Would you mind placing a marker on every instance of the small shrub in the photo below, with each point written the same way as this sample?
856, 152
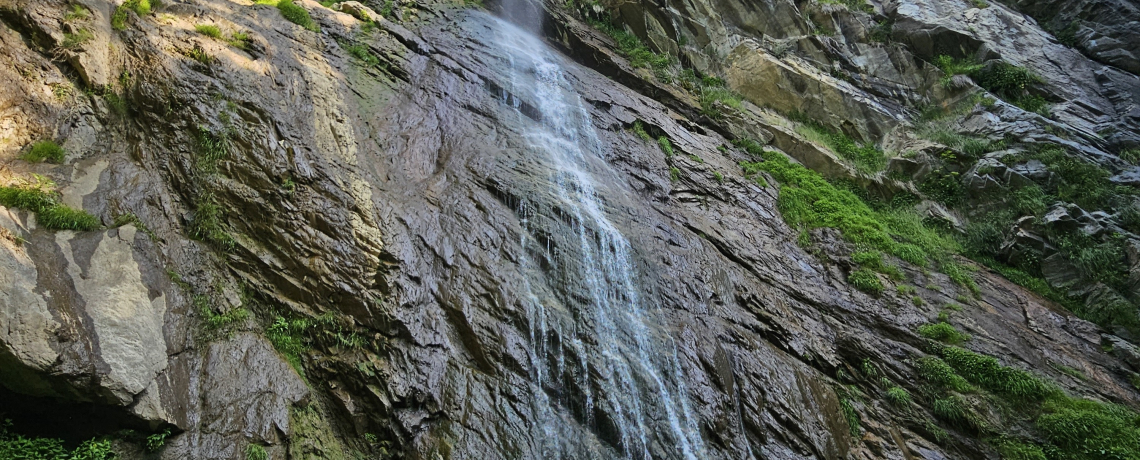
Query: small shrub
943, 332
209, 30
44, 151
866, 280
297, 15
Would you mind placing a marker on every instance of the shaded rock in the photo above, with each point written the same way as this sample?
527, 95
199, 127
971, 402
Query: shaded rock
358, 11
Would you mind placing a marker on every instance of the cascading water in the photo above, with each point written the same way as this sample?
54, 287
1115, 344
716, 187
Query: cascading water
628, 370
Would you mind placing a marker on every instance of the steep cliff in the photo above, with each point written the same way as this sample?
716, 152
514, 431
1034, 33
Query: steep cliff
425, 230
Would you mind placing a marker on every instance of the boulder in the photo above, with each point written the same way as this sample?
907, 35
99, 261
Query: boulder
358, 11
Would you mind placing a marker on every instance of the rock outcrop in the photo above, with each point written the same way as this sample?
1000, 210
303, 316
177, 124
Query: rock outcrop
344, 243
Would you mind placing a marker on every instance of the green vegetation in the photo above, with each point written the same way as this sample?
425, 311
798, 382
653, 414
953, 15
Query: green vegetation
666, 146
711, 93
943, 332
293, 337
18, 447
297, 15
854, 5
718, 176
44, 150
255, 452
866, 158
74, 41
119, 17
866, 280
155, 442
239, 40
1007, 81
50, 213
361, 52
209, 30
200, 55
132, 219
77, 13
898, 396
808, 201
1131, 156
639, 130
631, 47
674, 174
207, 224
1069, 428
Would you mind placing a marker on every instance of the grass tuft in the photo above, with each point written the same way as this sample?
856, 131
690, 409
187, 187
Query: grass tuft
44, 151
209, 30
297, 15
50, 213
943, 332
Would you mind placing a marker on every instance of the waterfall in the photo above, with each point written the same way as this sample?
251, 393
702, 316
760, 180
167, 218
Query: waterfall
609, 326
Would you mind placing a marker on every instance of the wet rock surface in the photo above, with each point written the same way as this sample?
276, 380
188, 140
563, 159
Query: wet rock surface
407, 200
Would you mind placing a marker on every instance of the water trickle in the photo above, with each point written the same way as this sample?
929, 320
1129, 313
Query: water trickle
626, 367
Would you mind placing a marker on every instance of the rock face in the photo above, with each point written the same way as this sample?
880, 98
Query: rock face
328, 254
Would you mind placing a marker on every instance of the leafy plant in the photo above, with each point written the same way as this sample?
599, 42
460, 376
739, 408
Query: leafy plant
156, 441
119, 17
639, 130
666, 146
18, 447
866, 280
74, 41
898, 397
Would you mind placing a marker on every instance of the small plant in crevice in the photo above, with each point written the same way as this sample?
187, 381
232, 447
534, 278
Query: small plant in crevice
898, 397
157, 441
674, 174
200, 55
132, 219
362, 53
639, 130
866, 158
666, 146
866, 280
208, 223
44, 151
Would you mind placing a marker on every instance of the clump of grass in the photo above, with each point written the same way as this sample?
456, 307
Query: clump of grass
639, 130
943, 332
119, 17
297, 15
1011, 449
674, 174
639, 55
898, 397
217, 324
874, 260
239, 40
866, 158
209, 30
666, 146
255, 452
75, 41
941, 375
50, 213
712, 93
361, 52
44, 151
807, 200
866, 280
208, 221
1009, 82
77, 13
200, 55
